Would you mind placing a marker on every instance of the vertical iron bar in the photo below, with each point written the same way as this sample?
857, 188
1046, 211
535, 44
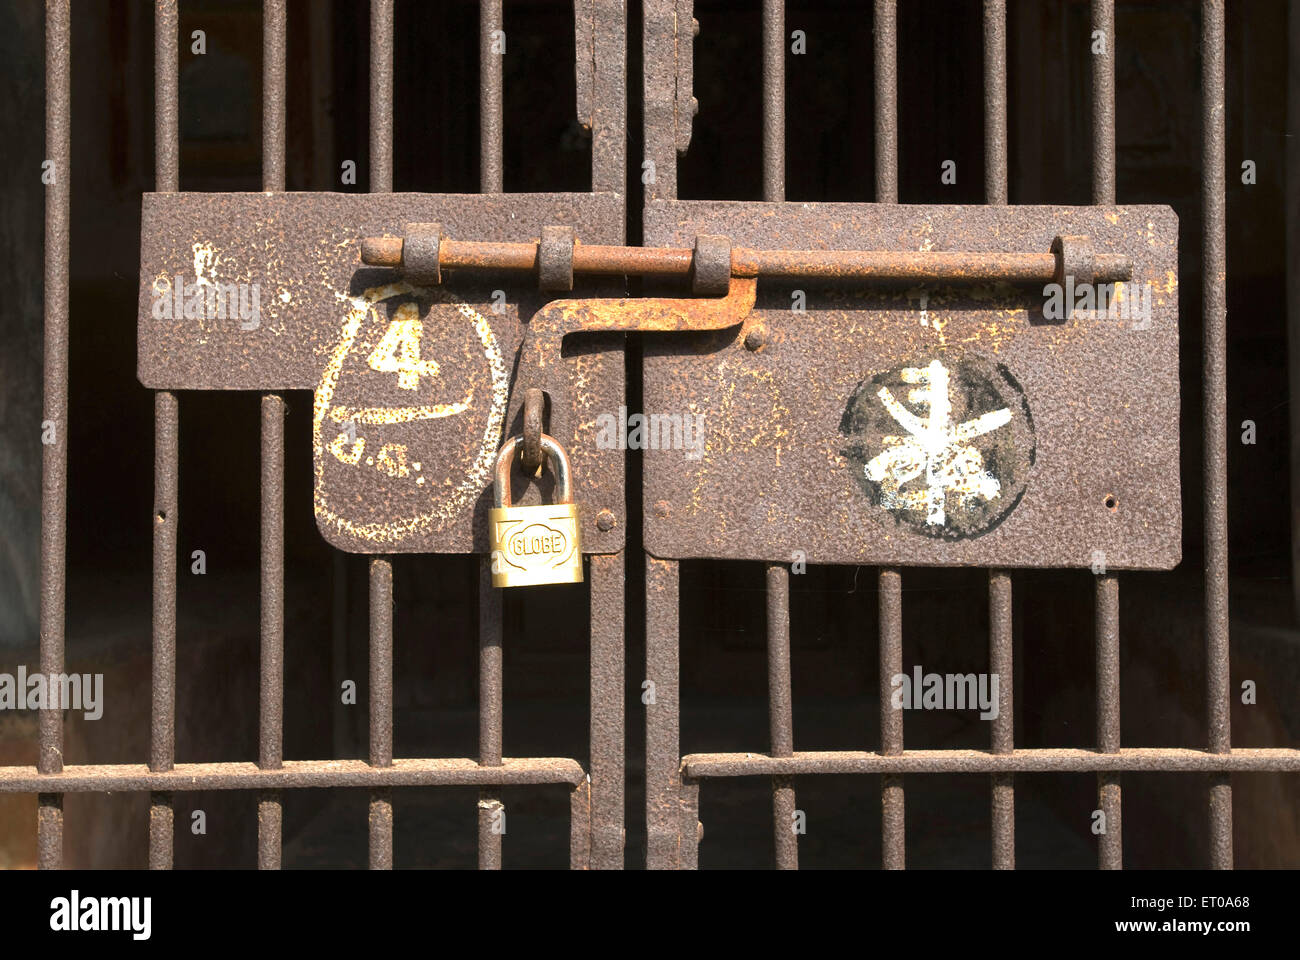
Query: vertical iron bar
1107, 626
1110, 854
269, 829
1001, 634
274, 27
271, 748
381, 709
884, 29
995, 101
1103, 104
609, 110
773, 100
781, 712
49, 831
1214, 265
271, 694
660, 137
380, 843
893, 842
166, 144
607, 678
166, 431
489, 714
490, 806
1001, 665
580, 826
1110, 850
1291, 217
162, 725
667, 829
54, 455
490, 137
381, 96
161, 830
339, 647
607, 612
893, 845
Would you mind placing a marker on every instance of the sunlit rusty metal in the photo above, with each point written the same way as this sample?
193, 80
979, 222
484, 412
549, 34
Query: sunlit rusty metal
541, 365
936, 266
778, 468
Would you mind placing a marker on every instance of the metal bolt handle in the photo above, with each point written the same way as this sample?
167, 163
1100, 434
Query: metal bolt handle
934, 266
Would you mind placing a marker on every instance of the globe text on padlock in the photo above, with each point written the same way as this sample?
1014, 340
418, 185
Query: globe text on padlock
535, 544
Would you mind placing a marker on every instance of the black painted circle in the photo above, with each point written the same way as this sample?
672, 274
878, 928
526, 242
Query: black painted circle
958, 477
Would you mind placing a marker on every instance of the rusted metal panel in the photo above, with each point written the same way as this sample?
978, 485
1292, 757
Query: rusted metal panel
1062, 448
414, 386
302, 251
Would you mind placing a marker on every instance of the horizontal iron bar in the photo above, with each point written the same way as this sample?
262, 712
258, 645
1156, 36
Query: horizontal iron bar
932, 265
1048, 760
87, 778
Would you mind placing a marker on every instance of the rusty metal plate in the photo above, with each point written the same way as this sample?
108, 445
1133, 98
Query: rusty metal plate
921, 424
414, 387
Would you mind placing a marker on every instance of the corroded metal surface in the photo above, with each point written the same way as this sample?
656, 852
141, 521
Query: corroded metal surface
290, 262
295, 774
671, 803
1214, 387
165, 518
302, 250
1077, 418
413, 385
608, 751
579, 408
422, 252
668, 56
1037, 760
54, 453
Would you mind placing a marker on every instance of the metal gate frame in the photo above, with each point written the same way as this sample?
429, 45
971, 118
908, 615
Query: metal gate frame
673, 781
596, 796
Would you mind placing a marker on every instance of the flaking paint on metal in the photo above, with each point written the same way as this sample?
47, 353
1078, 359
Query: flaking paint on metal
771, 479
307, 246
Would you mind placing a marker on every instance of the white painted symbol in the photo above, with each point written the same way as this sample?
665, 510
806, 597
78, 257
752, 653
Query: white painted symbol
400, 352
933, 446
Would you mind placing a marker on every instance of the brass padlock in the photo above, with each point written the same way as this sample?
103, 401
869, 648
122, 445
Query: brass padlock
536, 544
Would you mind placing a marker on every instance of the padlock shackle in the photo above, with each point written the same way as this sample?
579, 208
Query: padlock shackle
552, 451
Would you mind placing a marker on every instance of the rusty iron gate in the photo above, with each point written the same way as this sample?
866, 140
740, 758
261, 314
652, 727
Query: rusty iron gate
273, 363
746, 502
729, 348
